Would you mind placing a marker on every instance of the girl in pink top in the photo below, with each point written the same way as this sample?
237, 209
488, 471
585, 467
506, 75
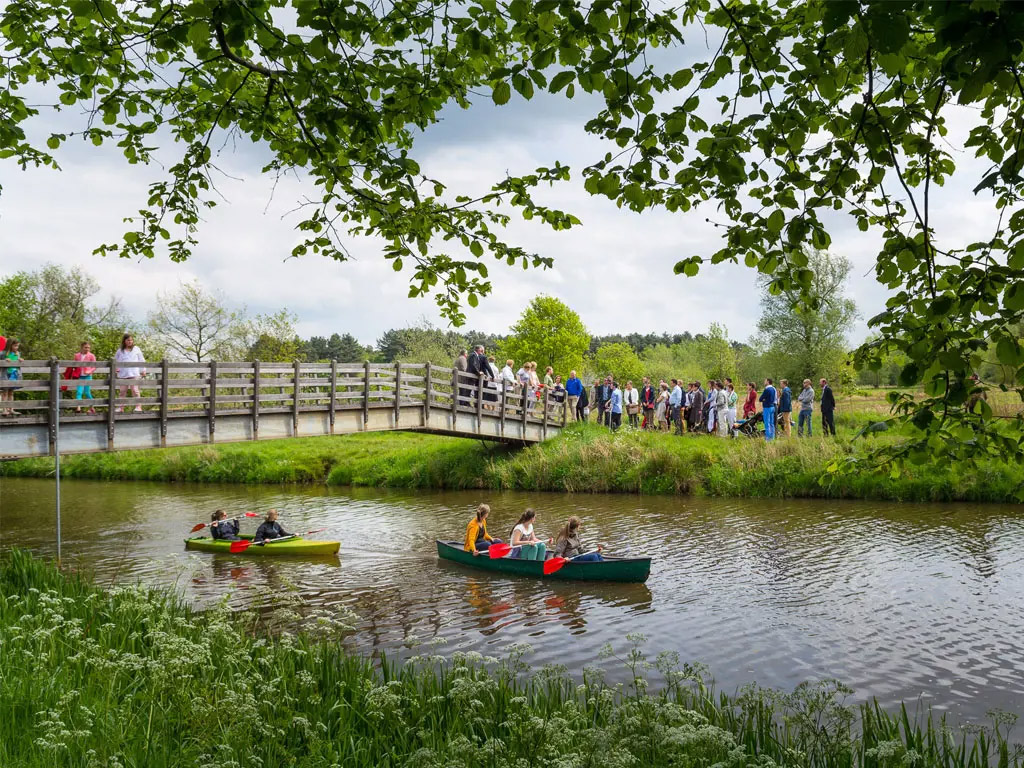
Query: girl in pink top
85, 372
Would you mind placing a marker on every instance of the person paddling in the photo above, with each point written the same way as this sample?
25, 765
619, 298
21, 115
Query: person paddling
270, 529
525, 544
477, 538
222, 528
569, 546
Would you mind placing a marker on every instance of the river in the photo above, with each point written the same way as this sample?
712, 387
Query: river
915, 602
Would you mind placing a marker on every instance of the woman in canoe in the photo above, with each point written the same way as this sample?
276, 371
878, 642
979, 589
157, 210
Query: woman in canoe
568, 544
525, 544
222, 528
477, 538
270, 529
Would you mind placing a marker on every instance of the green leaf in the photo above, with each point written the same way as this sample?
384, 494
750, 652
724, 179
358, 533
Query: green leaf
476, 248
776, 221
501, 93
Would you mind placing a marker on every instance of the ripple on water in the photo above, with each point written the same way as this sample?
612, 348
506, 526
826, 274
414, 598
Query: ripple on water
916, 602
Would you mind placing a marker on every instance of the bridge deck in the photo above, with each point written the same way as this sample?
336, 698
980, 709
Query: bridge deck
213, 402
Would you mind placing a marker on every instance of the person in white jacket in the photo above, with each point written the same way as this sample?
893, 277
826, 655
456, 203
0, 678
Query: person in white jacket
631, 401
129, 353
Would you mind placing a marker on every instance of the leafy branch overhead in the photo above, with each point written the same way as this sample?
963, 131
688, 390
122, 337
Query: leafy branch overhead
794, 115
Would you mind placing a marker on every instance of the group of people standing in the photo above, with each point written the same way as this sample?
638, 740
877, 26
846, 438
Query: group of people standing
691, 407
10, 351
777, 408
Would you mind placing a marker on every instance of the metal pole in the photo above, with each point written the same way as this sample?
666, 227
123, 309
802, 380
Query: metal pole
56, 455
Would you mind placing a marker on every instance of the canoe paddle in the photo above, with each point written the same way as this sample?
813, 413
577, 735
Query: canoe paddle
244, 544
498, 550
200, 526
556, 563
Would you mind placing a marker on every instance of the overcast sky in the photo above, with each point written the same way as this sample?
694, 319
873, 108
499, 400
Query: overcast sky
615, 270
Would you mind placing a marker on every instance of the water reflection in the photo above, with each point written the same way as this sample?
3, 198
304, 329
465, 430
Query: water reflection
900, 601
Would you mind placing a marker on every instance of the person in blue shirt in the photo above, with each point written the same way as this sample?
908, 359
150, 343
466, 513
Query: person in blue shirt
786, 408
573, 389
615, 406
768, 400
675, 404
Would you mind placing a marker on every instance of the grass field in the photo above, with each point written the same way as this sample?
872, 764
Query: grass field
584, 458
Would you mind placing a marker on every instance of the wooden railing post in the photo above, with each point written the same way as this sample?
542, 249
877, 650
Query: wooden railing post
504, 403
256, 400
165, 389
428, 390
544, 421
334, 392
295, 399
565, 407
526, 404
211, 414
112, 400
455, 395
366, 393
54, 395
479, 402
398, 391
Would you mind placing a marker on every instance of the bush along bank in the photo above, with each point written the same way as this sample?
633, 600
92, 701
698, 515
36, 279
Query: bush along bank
134, 677
584, 458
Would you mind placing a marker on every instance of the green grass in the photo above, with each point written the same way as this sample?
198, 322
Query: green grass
133, 677
585, 458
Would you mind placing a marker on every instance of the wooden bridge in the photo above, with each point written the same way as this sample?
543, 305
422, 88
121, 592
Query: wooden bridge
220, 402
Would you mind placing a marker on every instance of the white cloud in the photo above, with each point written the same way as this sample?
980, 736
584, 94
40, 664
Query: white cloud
615, 270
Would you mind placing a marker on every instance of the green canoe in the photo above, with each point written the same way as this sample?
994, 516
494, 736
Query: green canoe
294, 545
626, 569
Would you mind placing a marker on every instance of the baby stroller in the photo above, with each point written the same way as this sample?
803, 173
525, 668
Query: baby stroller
752, 427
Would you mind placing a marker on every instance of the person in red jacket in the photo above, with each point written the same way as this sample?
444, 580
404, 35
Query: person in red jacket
750, 405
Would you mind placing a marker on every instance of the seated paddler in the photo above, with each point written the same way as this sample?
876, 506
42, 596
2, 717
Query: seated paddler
477, 538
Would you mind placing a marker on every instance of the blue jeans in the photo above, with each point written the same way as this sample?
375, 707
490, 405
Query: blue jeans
483, 544
590, 557
84, 390
769, 422
805, 416
530, 551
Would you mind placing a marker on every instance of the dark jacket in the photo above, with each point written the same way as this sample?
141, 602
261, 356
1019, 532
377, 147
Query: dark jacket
786, 400
768, 397
584, 400
269, 531
225, 529
828, 400
647, 397
603, 393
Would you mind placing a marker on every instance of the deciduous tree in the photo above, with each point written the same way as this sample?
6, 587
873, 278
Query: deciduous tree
549, 333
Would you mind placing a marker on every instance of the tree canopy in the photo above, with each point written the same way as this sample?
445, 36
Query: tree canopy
805, 111
548, 333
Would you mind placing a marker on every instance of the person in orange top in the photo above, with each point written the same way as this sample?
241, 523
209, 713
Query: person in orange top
477, 538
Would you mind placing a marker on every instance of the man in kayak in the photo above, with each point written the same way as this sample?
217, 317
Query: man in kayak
477, 538
222, 528
269, 529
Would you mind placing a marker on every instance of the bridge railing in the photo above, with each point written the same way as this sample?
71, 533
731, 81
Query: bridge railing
169, 390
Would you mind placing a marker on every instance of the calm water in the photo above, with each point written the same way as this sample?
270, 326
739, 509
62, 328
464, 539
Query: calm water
913, 602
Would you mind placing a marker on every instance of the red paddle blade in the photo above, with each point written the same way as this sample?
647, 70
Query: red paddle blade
552, 565
318, 530
498, 550
239, 546
198, 527
251, 514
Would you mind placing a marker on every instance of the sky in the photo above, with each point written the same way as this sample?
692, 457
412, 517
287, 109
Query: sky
615, 270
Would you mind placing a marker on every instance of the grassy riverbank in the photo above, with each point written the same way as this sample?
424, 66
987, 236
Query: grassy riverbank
583, 459
133, 677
